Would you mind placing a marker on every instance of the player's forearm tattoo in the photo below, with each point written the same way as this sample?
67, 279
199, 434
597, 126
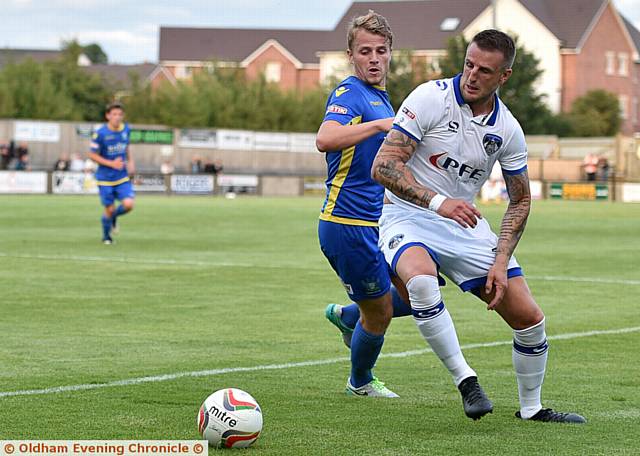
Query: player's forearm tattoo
515, 218
389, 169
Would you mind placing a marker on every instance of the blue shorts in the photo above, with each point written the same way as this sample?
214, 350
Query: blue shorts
110, 193
354, 254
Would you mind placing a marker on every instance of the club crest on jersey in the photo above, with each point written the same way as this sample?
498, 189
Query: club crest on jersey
491, 143
395, 241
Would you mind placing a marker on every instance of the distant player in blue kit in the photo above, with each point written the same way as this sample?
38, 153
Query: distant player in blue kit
110, 150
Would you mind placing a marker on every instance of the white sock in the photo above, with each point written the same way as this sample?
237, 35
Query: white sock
436, 326
530, 361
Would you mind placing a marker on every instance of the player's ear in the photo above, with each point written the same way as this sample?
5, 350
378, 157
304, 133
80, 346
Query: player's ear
350, 56
506, 74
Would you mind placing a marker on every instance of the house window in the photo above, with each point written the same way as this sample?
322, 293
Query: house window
623, 64
611, 62
435, 64
449, 24
272, 71
623, 100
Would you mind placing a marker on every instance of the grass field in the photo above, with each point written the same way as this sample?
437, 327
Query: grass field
198, 284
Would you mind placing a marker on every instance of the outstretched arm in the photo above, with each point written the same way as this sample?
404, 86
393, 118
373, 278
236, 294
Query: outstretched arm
389, 169
333, 135
513, 223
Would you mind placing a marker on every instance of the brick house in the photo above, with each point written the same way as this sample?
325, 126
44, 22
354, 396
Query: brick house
286, 57
581, 44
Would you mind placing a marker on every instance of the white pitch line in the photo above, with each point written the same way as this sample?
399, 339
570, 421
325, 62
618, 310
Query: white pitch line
585, 279
320, 362
170, 262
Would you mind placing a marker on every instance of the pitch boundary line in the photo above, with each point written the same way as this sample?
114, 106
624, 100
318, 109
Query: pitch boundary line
320, 362
170, 262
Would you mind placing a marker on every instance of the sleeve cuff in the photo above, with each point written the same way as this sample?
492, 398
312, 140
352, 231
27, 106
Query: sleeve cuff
514, 171
402, 130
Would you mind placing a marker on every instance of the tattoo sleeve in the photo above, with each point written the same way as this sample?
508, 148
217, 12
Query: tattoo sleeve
515, 218
390, 170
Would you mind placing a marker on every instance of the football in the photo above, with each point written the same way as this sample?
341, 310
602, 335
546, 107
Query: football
230, 418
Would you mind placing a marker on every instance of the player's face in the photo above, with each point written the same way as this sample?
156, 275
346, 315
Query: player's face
370, 57
482, 75
115, 117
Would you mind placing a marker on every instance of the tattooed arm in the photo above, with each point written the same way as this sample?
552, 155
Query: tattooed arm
389, 169
513, 223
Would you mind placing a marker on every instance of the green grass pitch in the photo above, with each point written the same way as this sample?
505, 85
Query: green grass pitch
209, 283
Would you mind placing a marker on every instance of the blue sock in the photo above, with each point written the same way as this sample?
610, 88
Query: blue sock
351, 313
106, 227
365, 348
119, 211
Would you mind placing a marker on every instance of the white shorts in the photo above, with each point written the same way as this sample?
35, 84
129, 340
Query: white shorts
465, 255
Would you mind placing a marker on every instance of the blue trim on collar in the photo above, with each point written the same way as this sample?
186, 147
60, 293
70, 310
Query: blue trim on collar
460, 100
456, 89
496, 107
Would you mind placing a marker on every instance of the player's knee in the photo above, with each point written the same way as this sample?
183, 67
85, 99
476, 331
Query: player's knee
424, 292
376, 314
529, 319
128, 205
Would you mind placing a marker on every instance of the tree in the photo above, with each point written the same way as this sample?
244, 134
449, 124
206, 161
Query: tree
596, 113
518, 93
95, 53
406, 72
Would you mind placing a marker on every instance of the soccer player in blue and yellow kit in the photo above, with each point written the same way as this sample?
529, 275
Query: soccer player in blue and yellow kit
358, 115
110, 150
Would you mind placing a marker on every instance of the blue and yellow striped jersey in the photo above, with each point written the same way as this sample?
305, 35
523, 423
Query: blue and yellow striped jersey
110, 145
353, 197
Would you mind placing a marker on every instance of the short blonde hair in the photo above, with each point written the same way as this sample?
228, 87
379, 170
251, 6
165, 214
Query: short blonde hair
371, 22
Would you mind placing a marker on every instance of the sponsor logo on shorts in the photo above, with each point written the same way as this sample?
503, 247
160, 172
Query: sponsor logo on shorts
337, 109
375, 103
395, 241
348, 287
409, 113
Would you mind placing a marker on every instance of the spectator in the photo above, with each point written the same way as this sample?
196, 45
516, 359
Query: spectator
23, 149
167, 167
23, 163
603, 168
77, 164
590, 165
5, 155
62, 164
214, 168
196, 165
90, 166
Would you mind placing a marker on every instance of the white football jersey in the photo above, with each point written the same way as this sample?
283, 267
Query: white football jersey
456, 151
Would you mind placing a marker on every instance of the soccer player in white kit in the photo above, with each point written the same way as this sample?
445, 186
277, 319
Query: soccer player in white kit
446, 138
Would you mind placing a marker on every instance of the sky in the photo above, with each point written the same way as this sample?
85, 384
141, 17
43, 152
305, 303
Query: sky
128, 30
